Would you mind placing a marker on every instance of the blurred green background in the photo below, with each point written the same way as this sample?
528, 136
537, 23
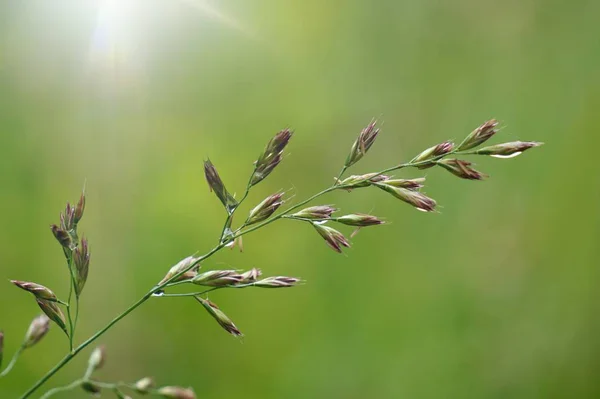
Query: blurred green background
493, 297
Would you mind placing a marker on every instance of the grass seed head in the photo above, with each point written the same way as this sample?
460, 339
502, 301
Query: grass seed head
37, 330
508, 150
265, 209
97, 358
62, 236
333, 238
38, 290
409, 184
81, 260
414, 198
216, 184
54, 313
277, 282
271, 157
319, 212
79, 208
359, 219
363, 143
218, 278
180, 267
461, 169
144, 385
172, 392
433, 152
220, 317
479, 135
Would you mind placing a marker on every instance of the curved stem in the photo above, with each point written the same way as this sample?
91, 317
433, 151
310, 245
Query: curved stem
13, 361
72, 385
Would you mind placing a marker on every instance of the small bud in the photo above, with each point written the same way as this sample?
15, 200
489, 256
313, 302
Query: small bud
277, 282
1, 346
479, 135
38, 290
91, 387
359, 219
78, 214
220, 317
216, 184
356, 181
461, 169
182, 266
62, 236
320, 212
433, 152
81, 260
250, 276
53, 312
414, 198
333, 238
365, 140
37, 330
218, 278
508, 150
97, 358
176, 393
409, 184
265, 209
144, 385
271, 157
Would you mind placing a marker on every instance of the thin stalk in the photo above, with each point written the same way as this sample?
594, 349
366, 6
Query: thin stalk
13, 361
69, 387
71, 287
338, 179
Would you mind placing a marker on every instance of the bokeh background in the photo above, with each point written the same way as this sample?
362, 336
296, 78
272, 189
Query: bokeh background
493, 297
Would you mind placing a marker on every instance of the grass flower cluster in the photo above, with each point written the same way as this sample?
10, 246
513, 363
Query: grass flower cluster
199, 279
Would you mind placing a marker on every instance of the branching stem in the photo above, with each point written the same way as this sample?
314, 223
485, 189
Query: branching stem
221, 245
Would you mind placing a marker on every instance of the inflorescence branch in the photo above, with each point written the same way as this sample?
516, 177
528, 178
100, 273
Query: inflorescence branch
187, 271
